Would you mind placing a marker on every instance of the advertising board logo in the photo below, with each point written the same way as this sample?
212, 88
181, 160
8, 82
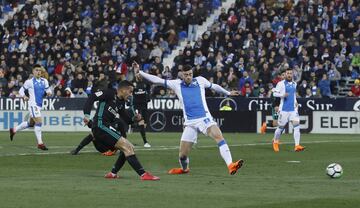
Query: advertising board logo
357, 106
229, 101
157, 121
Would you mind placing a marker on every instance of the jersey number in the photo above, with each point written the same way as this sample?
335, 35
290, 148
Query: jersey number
206, 120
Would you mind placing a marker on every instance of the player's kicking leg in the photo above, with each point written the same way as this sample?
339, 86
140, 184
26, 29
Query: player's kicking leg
128, 149
22, 126
215, 133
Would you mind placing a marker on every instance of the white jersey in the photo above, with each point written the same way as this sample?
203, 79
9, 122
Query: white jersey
192, 97
36, 89
288, 103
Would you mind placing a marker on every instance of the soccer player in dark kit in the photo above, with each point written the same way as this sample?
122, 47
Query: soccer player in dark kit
112, 106
140, 100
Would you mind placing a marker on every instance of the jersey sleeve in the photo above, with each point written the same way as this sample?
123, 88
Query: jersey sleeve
97, 96
25, 87
171, 83
279, 90
47, 87
205, 82
212, 86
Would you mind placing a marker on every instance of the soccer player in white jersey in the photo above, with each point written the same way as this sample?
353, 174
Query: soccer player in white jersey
36, 89
191, 93
286, 90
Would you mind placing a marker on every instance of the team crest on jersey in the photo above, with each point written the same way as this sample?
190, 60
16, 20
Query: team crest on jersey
195, 82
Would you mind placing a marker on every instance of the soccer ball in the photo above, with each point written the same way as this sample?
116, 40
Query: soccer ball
334, 170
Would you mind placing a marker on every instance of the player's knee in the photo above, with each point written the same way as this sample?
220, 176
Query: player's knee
127, 147
218, 136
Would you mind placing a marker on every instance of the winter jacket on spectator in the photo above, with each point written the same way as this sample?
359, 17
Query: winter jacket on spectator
245, 78
324, 86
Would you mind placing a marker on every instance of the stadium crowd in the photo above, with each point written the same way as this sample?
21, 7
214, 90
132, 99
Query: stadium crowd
92, 44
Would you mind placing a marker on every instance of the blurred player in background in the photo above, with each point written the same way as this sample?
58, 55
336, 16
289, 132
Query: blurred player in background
275, 102
112, 106
140, 101
286, 90
36, 88
191, 93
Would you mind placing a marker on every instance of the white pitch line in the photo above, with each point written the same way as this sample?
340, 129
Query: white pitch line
164, 148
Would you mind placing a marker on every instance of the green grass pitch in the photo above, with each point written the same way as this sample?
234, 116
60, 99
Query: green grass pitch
29, 178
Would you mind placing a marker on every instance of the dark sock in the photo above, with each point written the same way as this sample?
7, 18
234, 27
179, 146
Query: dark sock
135, 164
183, 162
143, 134
269, 124
119, 163
84, 142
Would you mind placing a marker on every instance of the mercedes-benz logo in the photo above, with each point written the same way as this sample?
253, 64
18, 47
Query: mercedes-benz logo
157, 121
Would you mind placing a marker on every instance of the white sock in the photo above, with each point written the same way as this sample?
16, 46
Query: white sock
277, 134
297, 134
37, 130
225, 152
22, 126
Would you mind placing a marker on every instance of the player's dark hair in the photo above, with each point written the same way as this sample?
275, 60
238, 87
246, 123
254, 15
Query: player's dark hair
186, 68
37, 66
289, 69
125, 83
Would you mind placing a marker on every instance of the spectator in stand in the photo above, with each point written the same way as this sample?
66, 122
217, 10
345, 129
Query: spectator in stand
355, 89
324, 86
245, 78
259, 37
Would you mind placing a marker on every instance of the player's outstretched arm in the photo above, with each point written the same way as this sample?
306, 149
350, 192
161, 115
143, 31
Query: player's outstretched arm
152, 78
220, 89
217, 87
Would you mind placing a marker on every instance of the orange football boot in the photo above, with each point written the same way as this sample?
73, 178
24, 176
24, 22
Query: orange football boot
175, 171
299, 148
235, 166
263, 128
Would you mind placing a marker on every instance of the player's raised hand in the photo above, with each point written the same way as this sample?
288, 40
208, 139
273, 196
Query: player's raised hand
234, 93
